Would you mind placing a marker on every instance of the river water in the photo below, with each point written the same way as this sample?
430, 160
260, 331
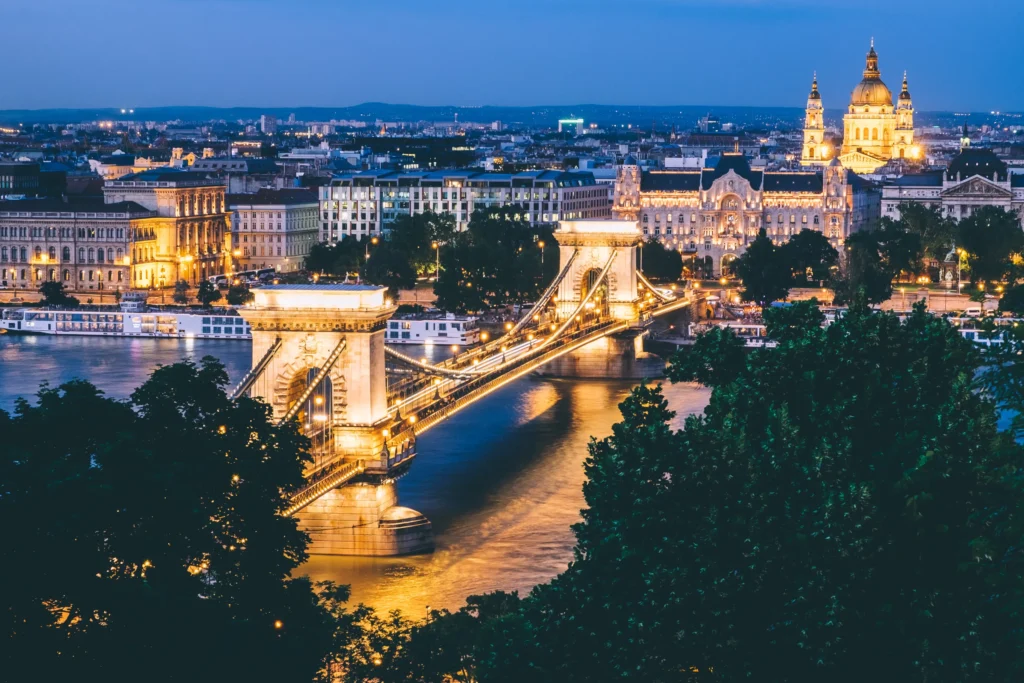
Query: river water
501, 481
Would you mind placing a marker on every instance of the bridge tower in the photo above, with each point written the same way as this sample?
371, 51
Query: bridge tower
318, 358
602, 255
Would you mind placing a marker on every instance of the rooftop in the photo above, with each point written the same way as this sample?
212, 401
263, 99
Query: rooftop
74, 205
267, 197
168, 176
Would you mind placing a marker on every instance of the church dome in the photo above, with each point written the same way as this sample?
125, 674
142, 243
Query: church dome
871, 91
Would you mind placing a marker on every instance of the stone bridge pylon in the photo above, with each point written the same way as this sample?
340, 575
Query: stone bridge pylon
601, 257
318, 358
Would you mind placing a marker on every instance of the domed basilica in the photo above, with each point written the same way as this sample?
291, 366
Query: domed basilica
875, 130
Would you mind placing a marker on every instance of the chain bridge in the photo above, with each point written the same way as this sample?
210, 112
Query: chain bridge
319, 357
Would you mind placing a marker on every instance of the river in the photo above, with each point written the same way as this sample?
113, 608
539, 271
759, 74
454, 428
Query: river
501, 481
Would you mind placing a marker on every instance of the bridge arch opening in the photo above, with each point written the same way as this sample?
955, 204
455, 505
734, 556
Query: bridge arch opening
598, 305
316, 413
729, 265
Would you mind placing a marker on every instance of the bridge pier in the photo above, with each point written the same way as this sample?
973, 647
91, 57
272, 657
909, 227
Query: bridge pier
321, 350
617, 356
364, 519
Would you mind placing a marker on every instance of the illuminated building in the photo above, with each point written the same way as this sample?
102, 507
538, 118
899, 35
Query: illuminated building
273, 229
817, 151
874, 130
187, 238
973, 179
712, 215
363, 204
82, 243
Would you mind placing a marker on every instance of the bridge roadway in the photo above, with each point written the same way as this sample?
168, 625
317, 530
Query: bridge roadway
492, 366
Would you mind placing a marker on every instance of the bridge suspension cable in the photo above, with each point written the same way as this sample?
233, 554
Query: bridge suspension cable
583, 302
257, 370
326, 368
545, 297
426, 367
647, 283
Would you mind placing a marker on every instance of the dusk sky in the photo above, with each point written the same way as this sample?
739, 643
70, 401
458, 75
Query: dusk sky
136, 53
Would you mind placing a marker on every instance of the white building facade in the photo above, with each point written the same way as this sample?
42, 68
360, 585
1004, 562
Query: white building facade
363, 204
273, 229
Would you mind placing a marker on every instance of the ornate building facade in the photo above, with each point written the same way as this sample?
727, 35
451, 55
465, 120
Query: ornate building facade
188, 239
874, 129
712, 215
80, 242
973, 179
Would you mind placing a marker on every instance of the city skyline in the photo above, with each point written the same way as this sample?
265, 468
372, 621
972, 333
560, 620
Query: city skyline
662, 53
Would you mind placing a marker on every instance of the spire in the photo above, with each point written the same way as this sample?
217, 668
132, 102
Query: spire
965, 138
905, 93
871, 69
815, 95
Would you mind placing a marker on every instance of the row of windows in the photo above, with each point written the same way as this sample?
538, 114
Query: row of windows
51, 274
12, 232
93, 255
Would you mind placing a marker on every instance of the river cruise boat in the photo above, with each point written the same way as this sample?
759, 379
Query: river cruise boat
433, 328
753, 333
162, 324
132, 319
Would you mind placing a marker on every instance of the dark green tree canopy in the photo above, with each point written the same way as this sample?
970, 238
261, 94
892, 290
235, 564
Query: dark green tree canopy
55, 294
764, 271
148, 537
844, 509
991, 236
811, 258
938, 233
239, 295
180, 292
208, 293
659, 262
873, 259
497, 261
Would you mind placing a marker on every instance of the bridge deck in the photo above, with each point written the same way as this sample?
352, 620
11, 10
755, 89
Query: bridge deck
452, 394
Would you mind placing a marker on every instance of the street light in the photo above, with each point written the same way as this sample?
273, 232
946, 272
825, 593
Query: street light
541, 245
437, 259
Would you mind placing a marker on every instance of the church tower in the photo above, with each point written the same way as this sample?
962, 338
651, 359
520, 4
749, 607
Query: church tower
903, 139
816, 152
626, 206
869, 126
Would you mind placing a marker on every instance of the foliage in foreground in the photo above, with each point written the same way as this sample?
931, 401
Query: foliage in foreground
845, 509
146, 536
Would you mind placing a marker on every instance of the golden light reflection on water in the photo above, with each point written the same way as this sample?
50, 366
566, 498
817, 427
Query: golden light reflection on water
502, 483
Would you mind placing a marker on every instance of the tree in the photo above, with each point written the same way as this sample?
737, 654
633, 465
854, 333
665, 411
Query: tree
180, 292
660, 263
823, 519
339, 259
388, 266
873, 259
810, 257
936, 231
764, 271
1013, 301
497, 261
207, 293
239, 295
55, 294
991, 236
414, 236
152, 528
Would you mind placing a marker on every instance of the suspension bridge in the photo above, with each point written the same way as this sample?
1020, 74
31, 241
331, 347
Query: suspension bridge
319, 357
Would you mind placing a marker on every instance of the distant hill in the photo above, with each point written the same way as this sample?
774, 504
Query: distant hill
683, 117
